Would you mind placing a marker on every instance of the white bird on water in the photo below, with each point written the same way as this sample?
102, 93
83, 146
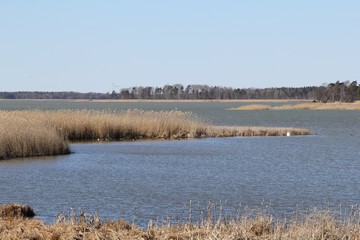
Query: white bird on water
288, 134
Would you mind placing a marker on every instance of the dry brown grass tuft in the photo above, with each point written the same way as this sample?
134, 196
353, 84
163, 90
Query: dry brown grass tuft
302, 106
13, 210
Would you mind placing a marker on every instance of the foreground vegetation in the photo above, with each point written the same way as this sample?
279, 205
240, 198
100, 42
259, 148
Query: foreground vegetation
16, 222
302, 106
44, 133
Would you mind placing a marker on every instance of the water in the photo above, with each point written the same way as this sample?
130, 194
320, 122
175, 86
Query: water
145, 180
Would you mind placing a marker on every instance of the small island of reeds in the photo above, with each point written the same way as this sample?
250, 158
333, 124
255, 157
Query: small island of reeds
43, 133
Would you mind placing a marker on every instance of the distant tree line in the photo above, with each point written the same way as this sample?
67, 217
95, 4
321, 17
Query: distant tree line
54, 95
340, 91
202, 92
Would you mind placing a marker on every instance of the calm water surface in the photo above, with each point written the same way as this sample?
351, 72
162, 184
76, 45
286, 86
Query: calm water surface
145, 180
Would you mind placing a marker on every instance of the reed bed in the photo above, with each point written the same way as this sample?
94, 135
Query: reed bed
44, 133
111, 125
302, 106
311, 225
23, 137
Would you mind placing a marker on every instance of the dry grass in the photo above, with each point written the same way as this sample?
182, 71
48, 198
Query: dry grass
313, 225
302, 106
44, 133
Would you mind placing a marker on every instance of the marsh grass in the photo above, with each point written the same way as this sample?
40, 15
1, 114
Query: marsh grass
313, 224
45, 133
301, 106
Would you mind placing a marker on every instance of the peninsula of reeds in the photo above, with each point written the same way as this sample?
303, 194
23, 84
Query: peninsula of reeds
17, 222
43, 133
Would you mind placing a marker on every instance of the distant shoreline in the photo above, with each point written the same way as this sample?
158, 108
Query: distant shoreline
190, 100
162, 100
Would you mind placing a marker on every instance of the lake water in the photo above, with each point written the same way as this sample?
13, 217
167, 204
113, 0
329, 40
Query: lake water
145, 180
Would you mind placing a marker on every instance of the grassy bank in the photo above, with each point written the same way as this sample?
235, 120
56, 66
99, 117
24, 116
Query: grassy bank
302, 106
309, 225
43, 133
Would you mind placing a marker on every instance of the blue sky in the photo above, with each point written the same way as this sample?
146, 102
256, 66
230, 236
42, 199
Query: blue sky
87, 46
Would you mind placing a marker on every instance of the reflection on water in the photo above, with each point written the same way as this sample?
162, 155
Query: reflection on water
147, 180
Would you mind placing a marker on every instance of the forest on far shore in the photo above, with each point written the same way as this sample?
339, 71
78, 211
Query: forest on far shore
339, 91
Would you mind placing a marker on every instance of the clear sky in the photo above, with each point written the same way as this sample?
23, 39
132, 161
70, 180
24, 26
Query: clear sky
87, 45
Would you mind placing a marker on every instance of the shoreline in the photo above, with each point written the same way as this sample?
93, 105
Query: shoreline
163, 100
190, 100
